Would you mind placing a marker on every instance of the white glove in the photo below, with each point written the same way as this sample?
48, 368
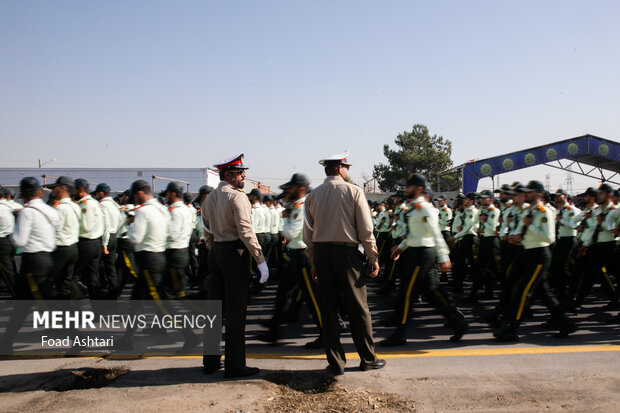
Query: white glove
264, 272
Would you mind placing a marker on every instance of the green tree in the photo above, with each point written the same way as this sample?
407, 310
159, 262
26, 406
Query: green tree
417, 151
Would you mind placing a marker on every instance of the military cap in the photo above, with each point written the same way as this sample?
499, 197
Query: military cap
232, 163
471, 195
589, 192
341, 158
205, 190
28, 184
534, 185
503, 188
487, 193
296, 180
256, 192
605, 188
416, 180
139, 185
174, 187
81, 183
103, 187
560, 191
63, 181
8, 192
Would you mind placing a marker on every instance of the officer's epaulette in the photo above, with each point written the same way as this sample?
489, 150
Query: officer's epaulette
595, 207
138, 207
491, 208
613, 207
172, 208
526, 206
298, 205
541, 208
445, 208
390, 211
418, 205
240, 190
84, 201
569, 207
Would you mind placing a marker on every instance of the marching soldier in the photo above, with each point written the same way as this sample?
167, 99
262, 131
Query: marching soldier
9, 195
179, 234
565, 244
466, 237
65, 255
445, 217
419, 252
203, 251
7, 251
382, 227
90, 245
113, 220
297, 277
226, 215
192, 268
602, 244
126, 256
149, 235
487, 268
337, 220
535, 232
35, 235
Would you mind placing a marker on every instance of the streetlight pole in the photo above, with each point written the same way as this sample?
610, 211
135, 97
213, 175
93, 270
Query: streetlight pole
45, 163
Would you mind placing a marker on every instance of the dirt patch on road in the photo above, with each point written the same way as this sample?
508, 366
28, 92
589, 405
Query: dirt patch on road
87, 378
307, 392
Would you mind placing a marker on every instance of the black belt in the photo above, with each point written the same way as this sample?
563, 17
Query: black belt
341, 244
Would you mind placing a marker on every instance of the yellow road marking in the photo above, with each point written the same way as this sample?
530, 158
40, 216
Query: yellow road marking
354, 356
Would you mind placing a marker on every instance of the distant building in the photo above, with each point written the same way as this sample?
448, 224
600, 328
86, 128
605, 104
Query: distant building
121, 179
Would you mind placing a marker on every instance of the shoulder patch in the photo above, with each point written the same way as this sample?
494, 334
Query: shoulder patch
544, 219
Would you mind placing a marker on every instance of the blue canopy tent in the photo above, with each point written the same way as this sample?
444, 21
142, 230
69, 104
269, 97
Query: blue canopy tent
585, 155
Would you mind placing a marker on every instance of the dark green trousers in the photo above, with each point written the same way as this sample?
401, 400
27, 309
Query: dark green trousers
229, 281
338, 268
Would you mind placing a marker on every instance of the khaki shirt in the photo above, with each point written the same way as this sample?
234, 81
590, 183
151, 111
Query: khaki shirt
337, 211
226, 216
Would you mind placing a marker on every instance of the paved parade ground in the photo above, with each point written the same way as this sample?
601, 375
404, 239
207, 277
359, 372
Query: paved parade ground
539, 373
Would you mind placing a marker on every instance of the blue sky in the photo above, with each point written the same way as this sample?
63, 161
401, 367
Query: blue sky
188, 83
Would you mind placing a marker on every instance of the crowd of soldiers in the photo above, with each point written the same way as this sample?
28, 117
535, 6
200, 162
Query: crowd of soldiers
525, 243
79, 244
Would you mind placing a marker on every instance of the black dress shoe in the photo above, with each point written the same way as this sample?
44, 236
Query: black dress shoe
267, 337
459, 330
507, 335
375, 365
244, 372
210, 369
566, 330
394, 340
334, 370
315, 344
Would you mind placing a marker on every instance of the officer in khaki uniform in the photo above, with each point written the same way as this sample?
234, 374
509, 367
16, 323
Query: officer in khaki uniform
226, 215
536, 232
337, 220
419, 251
